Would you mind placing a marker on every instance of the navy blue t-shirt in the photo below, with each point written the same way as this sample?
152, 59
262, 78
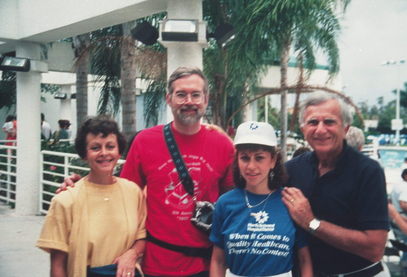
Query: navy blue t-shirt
353, 196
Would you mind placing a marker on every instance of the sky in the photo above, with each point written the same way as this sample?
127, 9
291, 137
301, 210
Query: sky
373, 31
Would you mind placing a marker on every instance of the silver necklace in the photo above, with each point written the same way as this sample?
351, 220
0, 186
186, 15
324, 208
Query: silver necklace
258, 204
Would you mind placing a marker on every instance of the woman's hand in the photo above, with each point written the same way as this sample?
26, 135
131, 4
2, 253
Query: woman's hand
127, 262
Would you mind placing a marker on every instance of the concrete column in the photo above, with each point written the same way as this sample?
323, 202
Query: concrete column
184, 53
28, 133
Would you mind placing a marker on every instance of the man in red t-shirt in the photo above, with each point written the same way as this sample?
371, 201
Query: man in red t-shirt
207, 154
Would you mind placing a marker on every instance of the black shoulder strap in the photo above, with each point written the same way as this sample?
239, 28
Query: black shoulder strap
186, 180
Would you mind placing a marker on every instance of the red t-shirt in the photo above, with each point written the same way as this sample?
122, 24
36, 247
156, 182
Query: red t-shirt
208, 156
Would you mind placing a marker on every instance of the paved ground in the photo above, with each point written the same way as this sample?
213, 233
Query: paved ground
18, 254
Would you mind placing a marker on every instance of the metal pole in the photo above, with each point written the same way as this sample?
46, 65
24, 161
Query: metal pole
266, 109
398, 115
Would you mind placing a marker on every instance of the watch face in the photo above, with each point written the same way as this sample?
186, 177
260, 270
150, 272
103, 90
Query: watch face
314, 224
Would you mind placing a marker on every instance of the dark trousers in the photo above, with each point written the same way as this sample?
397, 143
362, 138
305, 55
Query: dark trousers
200, 274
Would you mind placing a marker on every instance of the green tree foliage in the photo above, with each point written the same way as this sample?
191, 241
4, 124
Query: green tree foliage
403, 96
266, 32
153, 99
384, 113
104, 51
7, 89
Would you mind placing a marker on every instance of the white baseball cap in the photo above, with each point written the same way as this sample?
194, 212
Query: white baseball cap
252, 132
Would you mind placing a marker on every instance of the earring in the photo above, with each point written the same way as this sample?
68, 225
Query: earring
271, 176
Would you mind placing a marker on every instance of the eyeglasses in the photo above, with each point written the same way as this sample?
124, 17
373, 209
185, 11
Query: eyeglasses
325, 121
195, 97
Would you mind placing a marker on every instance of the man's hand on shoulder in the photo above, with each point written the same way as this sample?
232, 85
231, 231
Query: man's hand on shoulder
69, 182
213, 127
298, 206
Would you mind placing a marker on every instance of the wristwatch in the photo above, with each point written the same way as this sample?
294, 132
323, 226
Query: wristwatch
314, 225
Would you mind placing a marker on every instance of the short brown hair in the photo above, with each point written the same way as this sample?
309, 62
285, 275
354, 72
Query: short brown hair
101, 124
181, 72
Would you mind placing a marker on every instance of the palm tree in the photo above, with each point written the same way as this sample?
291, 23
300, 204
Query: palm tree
80, 44
128, 81
233, 68
301, 26
116, 59
104, 51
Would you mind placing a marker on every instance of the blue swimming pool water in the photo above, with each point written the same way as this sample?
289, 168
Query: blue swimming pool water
392, 157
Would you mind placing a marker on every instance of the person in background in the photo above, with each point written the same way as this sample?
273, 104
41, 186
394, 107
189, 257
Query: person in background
404, 166
252, 231
337, 194
355, 138
398, 194
46, 130
62, 133
397, 211
399, 219
10, 128
301, 150
95, 223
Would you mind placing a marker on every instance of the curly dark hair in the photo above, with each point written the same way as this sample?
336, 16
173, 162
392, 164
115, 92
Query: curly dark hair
280, 176
101, 124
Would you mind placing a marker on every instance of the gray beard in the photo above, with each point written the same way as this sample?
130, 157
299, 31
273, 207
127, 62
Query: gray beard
189, 119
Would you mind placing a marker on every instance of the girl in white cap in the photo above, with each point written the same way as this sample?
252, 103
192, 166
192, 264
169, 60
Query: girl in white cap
252, 231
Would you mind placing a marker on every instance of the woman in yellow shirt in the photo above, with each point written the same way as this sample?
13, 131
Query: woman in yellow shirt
101, 221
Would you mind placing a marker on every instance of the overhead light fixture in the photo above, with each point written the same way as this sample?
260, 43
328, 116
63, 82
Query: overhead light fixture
179, 30
60, 95
8, 63
145, 33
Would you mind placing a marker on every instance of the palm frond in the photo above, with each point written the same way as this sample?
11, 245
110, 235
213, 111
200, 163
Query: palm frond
153, 100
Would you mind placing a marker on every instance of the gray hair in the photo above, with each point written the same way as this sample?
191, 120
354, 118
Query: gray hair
320, 97
355, 138
181, 72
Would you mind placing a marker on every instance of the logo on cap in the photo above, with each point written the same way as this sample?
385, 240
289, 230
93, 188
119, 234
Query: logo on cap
253, 126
